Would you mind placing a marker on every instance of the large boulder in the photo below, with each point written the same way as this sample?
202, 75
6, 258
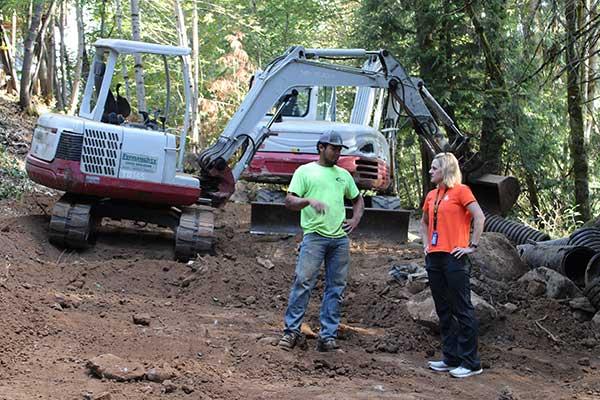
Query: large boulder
422, 310
112, 367
497, 258
557, 285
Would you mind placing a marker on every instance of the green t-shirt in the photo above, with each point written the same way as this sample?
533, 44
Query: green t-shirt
329, 185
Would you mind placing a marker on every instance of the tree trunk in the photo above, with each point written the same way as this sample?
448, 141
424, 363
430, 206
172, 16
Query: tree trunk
183, 41
196, 83
32, 34
426, 61
6, 55
119, 17
79, 65
139, 68
40, 45
64, 60
576, 136
51, 60
43, 73
494, 124
102, 18
592, 67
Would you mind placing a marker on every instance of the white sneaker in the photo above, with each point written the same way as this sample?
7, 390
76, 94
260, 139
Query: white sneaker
462, 372
439, 366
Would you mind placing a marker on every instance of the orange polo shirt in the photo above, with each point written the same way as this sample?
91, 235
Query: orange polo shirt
453, 218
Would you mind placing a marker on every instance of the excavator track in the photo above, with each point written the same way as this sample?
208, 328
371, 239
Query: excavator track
72, 224
195, 233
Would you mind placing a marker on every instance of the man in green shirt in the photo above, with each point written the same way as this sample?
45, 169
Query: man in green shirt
318, 189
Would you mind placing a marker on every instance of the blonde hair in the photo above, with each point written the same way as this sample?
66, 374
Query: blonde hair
451, 174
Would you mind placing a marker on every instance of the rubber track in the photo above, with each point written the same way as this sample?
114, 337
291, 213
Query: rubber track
195, 233
70, 225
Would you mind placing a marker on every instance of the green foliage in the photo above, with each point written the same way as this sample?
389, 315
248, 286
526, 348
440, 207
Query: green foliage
13, 180
556, 219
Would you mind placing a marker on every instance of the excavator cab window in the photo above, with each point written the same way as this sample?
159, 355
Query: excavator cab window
297, 106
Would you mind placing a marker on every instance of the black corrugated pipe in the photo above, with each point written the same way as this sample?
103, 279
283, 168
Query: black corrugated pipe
570, 261
556, 242
514, 231
592, 271
589, 237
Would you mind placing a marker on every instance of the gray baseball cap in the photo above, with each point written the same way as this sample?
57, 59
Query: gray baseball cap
332, 138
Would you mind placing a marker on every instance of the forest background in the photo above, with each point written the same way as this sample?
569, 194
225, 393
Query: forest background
519, 76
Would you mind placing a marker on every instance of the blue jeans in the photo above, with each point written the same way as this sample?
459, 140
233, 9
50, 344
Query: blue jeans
314, 250
451, 291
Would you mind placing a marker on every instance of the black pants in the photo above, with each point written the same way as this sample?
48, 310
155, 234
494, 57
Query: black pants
451, 290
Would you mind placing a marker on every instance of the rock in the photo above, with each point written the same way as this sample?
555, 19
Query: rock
510, 308
185, 282
589, 343
241, 193
168, 386
596, 322
557, 286
67, 301
415, 287
77, 284
583, 304
250, 300
582, 316
112, 367
142, 319
26, 286
584, 361
56, 306
161, 373
422, 310
101, 396
497, 258
536, 288
187, 389
265, 263
268, 341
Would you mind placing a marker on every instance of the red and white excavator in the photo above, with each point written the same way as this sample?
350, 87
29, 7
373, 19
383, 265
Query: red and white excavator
110, 167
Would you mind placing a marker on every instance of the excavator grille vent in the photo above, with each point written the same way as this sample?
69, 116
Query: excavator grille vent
100, 153
69, 146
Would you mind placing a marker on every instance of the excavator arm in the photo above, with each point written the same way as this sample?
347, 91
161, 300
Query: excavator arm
305, 67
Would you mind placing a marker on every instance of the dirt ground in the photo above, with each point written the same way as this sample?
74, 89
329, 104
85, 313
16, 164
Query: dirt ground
214, 322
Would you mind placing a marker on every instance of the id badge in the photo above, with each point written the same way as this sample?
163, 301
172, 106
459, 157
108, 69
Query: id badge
434, 238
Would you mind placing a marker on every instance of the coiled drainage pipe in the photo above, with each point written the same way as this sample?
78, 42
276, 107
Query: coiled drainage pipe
589, 237
592, 271
514, 231
570, 261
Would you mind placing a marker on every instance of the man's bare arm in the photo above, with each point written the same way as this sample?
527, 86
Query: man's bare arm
297, 203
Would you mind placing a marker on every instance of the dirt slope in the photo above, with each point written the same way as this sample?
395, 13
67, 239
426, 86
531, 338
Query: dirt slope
213, 321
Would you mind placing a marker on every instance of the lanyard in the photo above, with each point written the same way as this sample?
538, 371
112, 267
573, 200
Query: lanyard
436, 205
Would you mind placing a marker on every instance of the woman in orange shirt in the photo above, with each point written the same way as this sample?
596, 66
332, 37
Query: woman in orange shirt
446, 231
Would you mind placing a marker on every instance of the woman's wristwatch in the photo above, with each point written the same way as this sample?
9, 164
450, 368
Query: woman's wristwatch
473, 245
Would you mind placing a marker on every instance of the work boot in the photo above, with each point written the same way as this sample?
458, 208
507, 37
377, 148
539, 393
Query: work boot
288, 341
327, 345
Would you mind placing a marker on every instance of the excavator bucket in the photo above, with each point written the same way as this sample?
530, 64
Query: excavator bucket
495, 193
376, 223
